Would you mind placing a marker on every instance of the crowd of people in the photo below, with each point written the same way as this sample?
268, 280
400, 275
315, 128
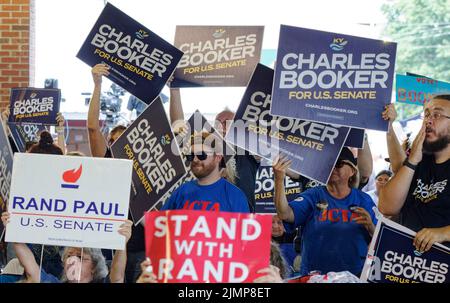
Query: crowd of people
325, 228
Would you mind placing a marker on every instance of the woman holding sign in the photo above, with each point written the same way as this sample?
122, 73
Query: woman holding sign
81, 265
337, 220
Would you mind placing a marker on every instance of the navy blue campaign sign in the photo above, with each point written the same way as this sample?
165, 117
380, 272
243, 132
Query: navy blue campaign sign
25, 132
333, 78
392, 258
264, 189
34, 105
355, 138
141, 62
217, 55
312, 147
157, 163
6, 163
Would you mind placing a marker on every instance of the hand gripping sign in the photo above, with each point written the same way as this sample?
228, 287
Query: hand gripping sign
392, 258
202, 246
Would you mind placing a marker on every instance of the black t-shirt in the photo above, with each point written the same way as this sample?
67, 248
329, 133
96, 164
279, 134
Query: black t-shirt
246, 168
136, 242
428, 202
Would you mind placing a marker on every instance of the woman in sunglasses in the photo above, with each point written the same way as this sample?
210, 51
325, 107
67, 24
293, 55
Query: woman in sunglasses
337, 220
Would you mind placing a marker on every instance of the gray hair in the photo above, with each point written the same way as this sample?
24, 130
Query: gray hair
98, 260
277, 259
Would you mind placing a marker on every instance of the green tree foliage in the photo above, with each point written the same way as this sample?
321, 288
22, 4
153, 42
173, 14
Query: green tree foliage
421, 29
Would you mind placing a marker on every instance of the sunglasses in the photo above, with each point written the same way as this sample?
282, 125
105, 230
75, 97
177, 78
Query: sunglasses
190, 157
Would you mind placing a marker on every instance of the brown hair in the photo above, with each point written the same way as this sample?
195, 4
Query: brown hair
45, 145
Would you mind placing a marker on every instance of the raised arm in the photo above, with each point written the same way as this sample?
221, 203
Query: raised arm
119, 261
60, 131
25, 256
365, 161
396, 153
97, 142
5, 117
284, 211
175, 106
394, 193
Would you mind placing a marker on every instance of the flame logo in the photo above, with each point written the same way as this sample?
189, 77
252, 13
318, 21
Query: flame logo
72, 176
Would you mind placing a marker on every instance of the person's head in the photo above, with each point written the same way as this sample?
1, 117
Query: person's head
382, 178
345, 170
437, 121
277, 226
90, 260
115, 133
45, 145
221, 121
206, 155
75, 153
29, 144
276, 259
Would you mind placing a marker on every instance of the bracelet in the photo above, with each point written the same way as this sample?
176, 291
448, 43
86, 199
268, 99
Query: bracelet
409, 164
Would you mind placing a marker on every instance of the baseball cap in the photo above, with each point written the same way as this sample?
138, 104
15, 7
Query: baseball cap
347, 156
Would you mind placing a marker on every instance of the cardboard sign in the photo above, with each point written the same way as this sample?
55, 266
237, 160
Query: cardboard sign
333, 78
392, 258
201, 246
34, 105
418, 90
141, 62
217, 55
265, 193
6, 163
23, 133
157, 163
312, 147
355, 138
68, 201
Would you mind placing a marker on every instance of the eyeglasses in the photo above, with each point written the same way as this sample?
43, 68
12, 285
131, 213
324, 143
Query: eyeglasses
201, 157
433, 116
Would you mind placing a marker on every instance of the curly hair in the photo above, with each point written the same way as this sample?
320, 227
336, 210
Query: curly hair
98, 261
277, 259
45, 145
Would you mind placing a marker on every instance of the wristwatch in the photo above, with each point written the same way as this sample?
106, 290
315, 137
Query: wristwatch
409, 164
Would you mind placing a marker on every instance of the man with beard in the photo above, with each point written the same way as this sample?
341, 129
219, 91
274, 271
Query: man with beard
420, 190
210, 191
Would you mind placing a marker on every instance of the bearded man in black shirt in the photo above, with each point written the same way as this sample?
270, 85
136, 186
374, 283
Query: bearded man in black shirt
420, 191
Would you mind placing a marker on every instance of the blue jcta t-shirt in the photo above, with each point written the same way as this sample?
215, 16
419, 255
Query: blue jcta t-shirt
219, 196
332, 241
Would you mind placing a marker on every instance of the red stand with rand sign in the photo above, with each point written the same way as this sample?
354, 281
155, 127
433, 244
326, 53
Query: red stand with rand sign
201, 246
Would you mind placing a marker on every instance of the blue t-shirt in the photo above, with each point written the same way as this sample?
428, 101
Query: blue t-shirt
219, 196
331, 240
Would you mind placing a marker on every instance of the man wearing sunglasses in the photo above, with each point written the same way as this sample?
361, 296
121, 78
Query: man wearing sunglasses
210, 191
246, 165
420, 190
